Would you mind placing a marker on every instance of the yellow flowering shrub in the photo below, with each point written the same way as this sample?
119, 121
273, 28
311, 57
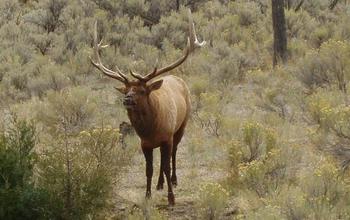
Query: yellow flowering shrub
321, 104
257, 140
256, 161
324, 190
212, 200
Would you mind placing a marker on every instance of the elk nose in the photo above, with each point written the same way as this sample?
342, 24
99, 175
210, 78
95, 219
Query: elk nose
128, 100
128, 97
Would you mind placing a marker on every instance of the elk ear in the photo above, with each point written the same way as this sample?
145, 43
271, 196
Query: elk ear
155, 85
121, 89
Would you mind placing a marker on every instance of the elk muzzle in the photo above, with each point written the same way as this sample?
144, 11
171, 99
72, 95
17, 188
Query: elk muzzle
128, 101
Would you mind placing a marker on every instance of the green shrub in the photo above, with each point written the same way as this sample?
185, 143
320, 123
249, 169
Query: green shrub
19, 81
82, 170
320, 35
207, 116
326, 67
248, 12
67, 111
299, 24
20, 198
82, 163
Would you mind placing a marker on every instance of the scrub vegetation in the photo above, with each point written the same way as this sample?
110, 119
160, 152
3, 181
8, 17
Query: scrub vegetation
263, 141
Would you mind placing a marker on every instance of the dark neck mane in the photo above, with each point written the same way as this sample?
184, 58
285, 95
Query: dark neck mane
143, 118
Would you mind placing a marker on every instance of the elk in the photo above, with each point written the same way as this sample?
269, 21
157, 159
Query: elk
157, 109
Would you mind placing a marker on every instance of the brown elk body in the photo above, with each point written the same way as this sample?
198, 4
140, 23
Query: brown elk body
158, 110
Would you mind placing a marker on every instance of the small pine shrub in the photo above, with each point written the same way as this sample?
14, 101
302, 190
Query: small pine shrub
20, 198
81, 170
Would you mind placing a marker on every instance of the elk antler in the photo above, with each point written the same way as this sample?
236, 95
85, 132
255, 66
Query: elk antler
192, 42
115, 75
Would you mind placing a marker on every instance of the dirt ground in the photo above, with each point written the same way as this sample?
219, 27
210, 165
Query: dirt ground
194, 167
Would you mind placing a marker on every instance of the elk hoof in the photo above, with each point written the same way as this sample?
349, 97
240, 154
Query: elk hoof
171, 199
148, 195
159, 186
174, 181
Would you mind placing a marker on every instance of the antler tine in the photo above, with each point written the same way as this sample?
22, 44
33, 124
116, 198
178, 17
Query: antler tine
137, 76
97, 46
169, 67
144, 78
122, 74
192, 42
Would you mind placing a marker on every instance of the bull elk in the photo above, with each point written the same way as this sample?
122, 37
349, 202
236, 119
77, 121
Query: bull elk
157, 109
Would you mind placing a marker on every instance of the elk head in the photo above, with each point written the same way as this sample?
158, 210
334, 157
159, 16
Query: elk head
137, 91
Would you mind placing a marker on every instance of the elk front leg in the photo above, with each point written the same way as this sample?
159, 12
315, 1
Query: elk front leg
166, 150
149, 169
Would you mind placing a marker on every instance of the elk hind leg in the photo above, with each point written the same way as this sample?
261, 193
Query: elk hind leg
161, 174
176, 140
